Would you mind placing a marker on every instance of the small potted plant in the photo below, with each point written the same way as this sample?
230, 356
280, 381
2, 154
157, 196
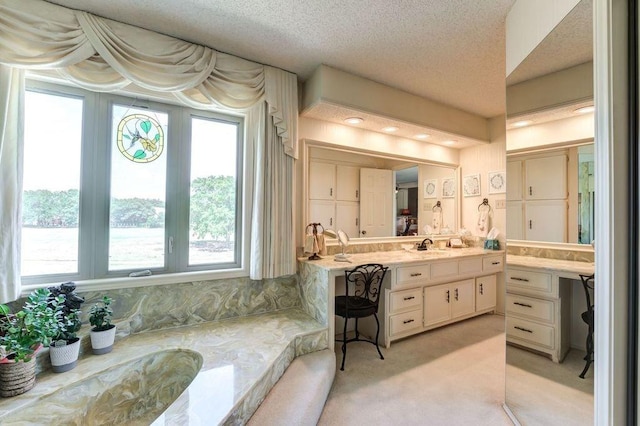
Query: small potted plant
65, 347
22, 335
103, 333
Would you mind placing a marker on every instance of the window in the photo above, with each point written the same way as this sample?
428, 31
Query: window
114, 185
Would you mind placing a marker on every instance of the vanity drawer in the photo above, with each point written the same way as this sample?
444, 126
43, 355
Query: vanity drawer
470, 266
529, 307
520, 330
401, 323
405, 300
522, 280
493, 263
444, 269
412, 274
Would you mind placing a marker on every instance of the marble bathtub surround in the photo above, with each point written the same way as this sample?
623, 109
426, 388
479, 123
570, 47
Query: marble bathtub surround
242, 358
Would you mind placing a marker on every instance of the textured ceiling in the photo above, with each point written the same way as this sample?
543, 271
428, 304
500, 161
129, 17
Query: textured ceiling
451, 51
569, 44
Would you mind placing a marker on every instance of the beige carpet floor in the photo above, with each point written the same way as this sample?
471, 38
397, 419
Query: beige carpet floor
455, 375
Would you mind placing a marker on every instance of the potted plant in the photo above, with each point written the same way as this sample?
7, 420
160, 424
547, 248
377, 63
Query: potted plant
65, 347
22, 335
103, 332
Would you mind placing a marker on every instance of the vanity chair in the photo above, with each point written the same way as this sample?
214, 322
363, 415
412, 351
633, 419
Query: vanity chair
363, 285
588, 318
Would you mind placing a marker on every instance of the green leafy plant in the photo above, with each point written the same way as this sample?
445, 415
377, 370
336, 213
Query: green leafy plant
69, 320
36, 324
100, 315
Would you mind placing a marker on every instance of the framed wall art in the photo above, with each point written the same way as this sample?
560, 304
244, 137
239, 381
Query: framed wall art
448, 188
497, 182
430, 188
471, 185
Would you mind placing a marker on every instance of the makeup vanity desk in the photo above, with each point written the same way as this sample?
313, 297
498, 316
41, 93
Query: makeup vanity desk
538, 302
422, 289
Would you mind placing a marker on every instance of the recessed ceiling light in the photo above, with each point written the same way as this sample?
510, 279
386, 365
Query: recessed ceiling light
585, 110
421, 136
450, 142
390, 129
354, 120
522, 123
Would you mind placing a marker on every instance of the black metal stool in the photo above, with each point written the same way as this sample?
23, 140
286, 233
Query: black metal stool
363, 285
588, 318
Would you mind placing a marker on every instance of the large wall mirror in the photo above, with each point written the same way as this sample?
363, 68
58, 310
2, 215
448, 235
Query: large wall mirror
550, 198
373, 195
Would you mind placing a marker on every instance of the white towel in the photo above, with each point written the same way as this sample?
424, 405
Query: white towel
436, 222
482, 226
320, 245
310, 244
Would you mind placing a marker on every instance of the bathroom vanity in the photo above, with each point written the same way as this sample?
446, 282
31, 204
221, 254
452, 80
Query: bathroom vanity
422, 290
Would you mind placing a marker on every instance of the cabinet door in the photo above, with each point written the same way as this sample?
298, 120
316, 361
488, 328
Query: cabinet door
348, 183
514, 180
546, 221
485, 292
437, 303
322, 181
322, 212
546, 178
347, 218
515, 220
463, 298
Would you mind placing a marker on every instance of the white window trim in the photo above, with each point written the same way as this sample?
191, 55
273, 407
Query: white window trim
47, 84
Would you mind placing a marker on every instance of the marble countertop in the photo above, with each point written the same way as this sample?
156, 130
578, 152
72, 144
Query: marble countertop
570, 266
397, 257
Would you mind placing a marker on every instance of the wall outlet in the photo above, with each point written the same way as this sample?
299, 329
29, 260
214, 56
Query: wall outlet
427, 206
501, 204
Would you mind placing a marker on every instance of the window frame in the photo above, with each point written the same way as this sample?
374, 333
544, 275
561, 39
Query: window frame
95, 191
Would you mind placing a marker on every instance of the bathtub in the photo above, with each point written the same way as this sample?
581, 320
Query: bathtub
133, 393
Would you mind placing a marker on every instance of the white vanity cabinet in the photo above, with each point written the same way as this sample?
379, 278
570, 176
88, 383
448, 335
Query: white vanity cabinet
445, 302
534, 305
430, 294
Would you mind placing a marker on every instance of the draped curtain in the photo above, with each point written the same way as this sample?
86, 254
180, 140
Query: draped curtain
104, 55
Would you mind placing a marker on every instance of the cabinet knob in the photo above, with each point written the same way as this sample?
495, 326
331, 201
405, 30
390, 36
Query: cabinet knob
408, 321
448, 296
331, 192
357, 193
523, 329
364, 232
530, 190
456, 296
481, 289
523, 304
409, 298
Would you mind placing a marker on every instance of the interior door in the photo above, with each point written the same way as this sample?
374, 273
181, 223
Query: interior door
376, 203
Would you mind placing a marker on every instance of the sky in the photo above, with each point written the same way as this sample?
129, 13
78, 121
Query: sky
53, 131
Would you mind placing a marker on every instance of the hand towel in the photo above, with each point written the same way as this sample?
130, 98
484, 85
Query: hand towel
310, 244
482, 225
436, 222
320, 245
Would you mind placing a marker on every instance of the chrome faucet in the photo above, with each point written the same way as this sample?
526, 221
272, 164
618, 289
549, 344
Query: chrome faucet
423, 245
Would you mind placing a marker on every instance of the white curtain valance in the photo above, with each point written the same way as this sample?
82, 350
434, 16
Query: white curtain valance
104, 55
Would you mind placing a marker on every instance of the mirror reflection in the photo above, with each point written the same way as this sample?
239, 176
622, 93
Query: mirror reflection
369, 196
550, 199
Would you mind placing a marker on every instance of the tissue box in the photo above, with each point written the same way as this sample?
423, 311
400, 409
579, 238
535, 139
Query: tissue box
492, 245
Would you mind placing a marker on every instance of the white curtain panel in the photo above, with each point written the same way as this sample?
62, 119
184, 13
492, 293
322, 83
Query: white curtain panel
11, 128
272, 220
104, 55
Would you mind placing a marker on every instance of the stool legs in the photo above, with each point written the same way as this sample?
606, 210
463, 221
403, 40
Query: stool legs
344, 343
589, 357
357, 338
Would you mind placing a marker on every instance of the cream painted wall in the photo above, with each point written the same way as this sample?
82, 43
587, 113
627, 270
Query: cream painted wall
546, 135
528, 23
484, 159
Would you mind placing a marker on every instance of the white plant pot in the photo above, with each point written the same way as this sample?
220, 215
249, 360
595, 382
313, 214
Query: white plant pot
102, 341
64, 358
